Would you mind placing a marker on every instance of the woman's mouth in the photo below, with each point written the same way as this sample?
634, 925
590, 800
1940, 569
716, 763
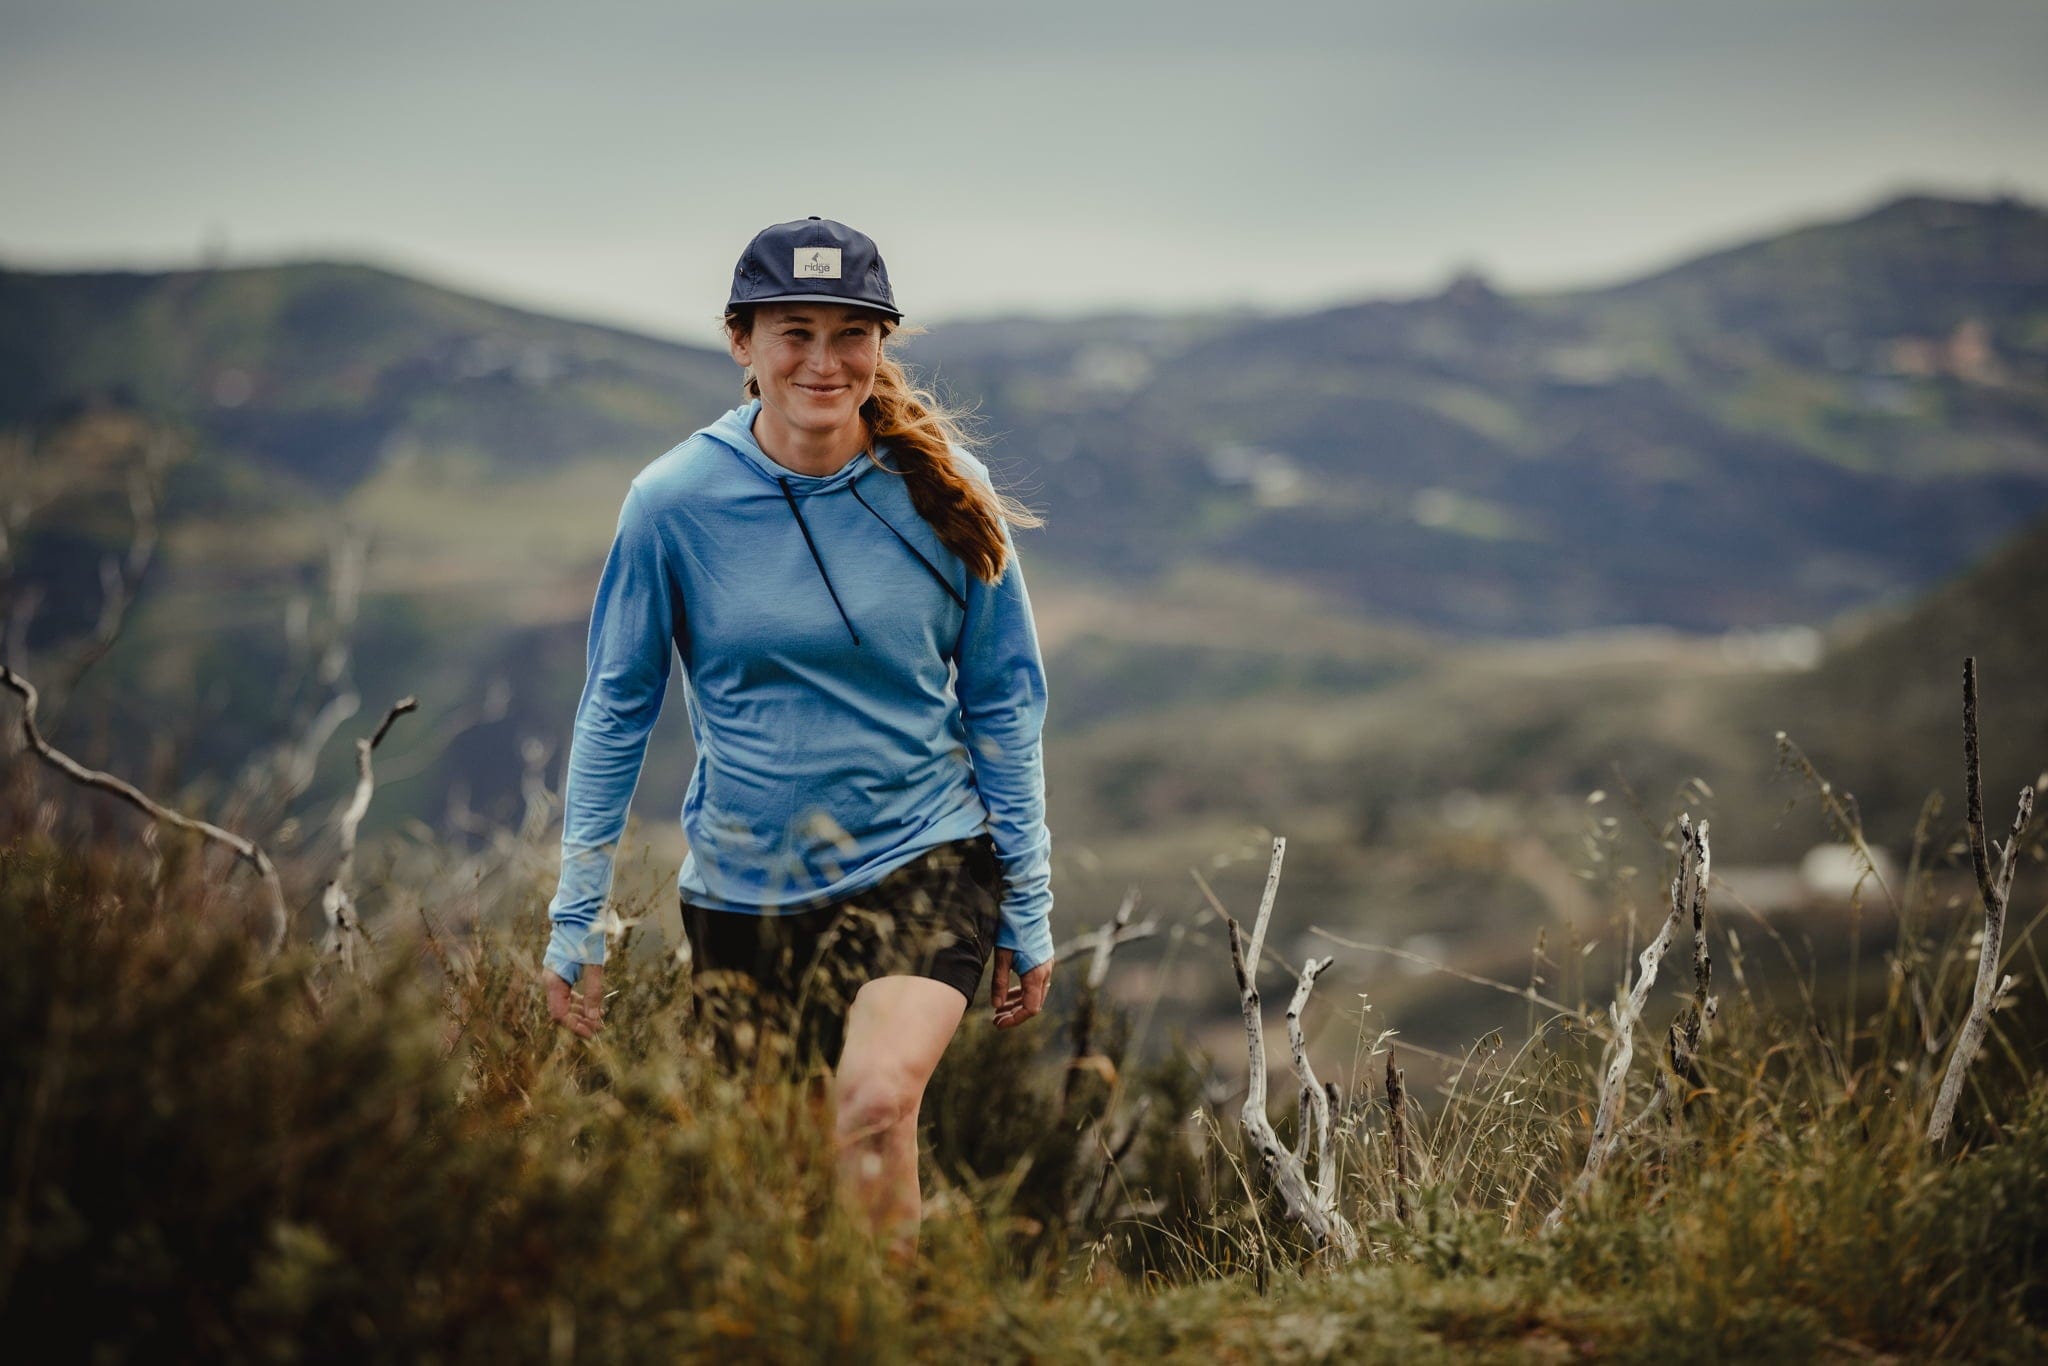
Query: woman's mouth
823, 390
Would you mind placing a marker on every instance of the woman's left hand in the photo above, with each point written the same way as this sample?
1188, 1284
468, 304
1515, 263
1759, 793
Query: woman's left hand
1014, 1005
580, 1007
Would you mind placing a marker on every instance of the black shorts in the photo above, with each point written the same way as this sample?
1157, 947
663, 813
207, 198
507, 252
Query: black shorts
797, 972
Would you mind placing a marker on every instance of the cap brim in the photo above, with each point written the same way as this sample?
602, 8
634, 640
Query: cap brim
895, 313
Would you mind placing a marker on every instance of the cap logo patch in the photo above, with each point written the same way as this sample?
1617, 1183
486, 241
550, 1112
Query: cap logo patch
817, 263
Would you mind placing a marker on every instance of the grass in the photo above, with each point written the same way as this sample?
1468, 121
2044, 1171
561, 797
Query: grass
201, 1162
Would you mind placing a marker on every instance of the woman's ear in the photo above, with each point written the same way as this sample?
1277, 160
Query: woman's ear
742, 353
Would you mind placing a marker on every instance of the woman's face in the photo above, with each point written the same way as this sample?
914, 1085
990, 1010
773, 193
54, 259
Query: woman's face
815, 363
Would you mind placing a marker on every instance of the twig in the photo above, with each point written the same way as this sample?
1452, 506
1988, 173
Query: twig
1845, 817
1683, 1040
1083, 1214
1996, 893
1528, 993
1397, 1134
244, 849
493, 707
1687, 889
1304, 1205
1100, 944
121, 579
343, 925
1086, 1188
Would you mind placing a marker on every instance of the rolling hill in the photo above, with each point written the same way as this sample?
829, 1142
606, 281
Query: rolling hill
1405, 580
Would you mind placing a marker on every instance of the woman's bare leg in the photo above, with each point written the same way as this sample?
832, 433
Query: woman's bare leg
896, 1031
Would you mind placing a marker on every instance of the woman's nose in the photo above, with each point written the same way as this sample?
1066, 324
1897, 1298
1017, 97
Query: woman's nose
821, 357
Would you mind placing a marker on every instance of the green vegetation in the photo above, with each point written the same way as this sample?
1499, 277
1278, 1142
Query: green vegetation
203, 1162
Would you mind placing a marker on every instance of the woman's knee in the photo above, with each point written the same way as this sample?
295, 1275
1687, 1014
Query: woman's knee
870, 1102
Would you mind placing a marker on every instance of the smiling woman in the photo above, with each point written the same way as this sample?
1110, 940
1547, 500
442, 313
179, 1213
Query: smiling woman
867, 816
813, 366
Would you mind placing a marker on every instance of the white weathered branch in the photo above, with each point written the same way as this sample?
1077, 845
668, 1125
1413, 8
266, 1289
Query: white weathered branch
343, 925
1683, 1040
1313, 1207
1315, 1107
1996, 893
244, 849
1688, 891
1118, 932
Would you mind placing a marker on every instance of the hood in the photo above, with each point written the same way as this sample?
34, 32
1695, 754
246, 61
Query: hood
735, 431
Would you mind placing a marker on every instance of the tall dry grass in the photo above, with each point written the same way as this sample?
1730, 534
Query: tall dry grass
203, 1163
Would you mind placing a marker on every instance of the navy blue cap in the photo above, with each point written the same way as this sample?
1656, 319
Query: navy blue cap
813, 260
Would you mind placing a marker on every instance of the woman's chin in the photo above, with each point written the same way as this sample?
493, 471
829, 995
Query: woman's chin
821, 415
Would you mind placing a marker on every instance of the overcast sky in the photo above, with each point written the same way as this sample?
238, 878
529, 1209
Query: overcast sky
609, 158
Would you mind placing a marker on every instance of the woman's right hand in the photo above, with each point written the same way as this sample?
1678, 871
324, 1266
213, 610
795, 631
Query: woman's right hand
1014, 1005
580, 1007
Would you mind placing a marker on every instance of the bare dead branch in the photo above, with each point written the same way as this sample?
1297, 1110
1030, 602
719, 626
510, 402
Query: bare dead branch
1687, 888
1315, 1100
1973, 784
244, 849
1304, 1204
1683, 1041
493, 706
1099, 944
1397, 1135
343, 925
1996, 892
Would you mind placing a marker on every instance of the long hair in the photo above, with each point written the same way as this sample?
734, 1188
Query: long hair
967, 514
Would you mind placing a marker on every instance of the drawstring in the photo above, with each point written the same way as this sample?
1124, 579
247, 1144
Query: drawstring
815, 560
812, 545
950, 591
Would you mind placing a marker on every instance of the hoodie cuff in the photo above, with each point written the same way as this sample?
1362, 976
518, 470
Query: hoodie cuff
570, 949
1029, 949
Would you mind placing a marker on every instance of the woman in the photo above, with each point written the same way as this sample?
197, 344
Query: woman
864, 687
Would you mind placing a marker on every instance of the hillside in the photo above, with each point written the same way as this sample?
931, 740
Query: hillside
1743, 440
321, 375
1333, 504
1668, 452
1446, 808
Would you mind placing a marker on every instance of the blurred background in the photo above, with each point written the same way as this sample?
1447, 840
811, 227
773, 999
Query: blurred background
1468, 435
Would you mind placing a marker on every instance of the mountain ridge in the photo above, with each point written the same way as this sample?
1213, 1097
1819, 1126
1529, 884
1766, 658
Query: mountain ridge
1469, 460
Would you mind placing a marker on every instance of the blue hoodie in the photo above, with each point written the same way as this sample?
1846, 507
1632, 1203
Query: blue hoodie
855, 694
